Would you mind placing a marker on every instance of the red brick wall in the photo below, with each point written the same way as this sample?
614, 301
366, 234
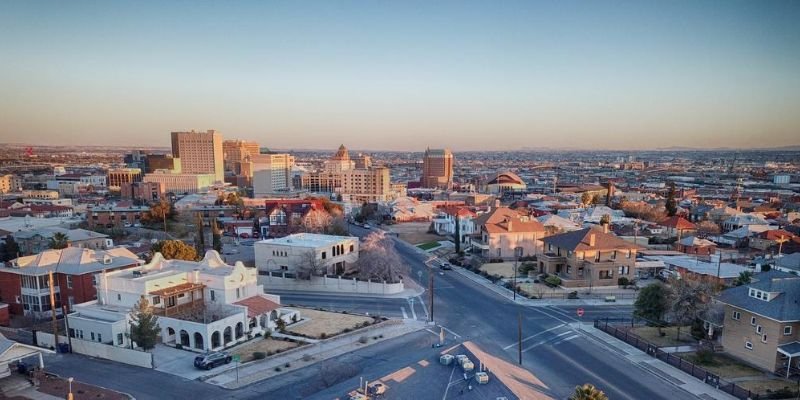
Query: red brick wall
5, 318
9, 290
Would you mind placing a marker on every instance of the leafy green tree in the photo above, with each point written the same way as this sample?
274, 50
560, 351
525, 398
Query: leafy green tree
744, 278
588, 392
59, 241
175, 250
144, 325
652, 303
671, 205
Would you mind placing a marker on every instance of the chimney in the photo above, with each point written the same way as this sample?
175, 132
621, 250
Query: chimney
605, 228
508, 222
591, 240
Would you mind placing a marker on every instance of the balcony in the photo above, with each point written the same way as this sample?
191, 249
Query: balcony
551, 258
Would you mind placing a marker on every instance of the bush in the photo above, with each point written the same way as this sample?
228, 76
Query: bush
526, 267
277, 369
287, 365
259, 355
363, 339
323, 335
623, 281
346, 330
179, 346
552, 281
365, 324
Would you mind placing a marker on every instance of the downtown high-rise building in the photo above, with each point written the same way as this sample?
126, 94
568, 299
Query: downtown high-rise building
238, 151
437, 169
199, 152
272, 173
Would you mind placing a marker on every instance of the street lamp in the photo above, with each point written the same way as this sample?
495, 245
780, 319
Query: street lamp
69, 395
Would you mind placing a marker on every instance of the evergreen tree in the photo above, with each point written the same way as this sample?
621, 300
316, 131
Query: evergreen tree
144, 325
671, 205
216, 236
458, 235
9, 250
200, 236
652, 303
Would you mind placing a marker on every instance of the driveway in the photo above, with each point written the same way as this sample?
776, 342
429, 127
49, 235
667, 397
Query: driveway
181, 363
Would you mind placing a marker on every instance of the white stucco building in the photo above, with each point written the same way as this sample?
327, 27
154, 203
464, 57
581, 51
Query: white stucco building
289, 252
205, 305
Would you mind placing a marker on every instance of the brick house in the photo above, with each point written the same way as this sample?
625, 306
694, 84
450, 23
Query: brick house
696, 246
113, 216
762, 320
25, 284
588, 257
506, 233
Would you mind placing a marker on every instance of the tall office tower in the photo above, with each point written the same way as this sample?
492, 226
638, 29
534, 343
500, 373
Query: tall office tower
200, 152
238, 151
340, 161
363, 161
272, 173
437, 169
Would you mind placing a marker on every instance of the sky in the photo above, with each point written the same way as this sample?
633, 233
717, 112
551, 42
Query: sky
403, 75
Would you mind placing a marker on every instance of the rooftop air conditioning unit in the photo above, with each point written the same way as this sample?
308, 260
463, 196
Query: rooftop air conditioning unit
106, 259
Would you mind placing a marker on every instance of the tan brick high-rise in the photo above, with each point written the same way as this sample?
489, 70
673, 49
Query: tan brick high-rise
437, 169
200, 152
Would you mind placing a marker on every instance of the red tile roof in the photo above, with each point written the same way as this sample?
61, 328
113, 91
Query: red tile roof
677, 222
258, 305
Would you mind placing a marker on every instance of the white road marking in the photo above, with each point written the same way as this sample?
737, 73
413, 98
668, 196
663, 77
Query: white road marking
448, 330
567, 339
533, 336
413, 312
405, 314
541, 342
449, 383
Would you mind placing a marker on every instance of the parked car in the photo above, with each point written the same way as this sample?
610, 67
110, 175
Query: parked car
212, 360
366, 226
446, 265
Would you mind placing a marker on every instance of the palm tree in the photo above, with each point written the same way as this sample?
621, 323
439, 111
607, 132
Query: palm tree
588, 392
59, 241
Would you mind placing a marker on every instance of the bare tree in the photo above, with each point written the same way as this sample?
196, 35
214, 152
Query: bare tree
309, 265
689, 300
707, 228
379, 260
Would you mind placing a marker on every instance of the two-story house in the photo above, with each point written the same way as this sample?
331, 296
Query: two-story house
289, 253
288, 216
588, 257
201, 305
505, 233
25, 284
445, 223
762, 320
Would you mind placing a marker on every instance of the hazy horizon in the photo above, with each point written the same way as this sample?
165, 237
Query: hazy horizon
404, 75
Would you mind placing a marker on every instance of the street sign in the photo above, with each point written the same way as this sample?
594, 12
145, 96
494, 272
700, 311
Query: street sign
579, 312
236, 357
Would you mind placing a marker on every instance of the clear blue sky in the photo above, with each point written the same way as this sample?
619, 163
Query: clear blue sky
403, 75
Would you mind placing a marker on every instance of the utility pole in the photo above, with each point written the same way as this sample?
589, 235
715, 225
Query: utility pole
66, 325
53, 307
519, 335
430, 290
164, 218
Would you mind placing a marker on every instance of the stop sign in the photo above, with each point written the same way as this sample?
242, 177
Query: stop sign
579, 312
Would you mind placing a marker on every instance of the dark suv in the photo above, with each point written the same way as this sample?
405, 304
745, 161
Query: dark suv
211, 360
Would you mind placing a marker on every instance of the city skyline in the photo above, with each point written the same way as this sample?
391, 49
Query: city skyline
467, 76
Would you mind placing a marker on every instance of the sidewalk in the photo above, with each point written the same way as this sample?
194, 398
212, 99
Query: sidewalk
509, 295
652, 365
310, 354
411, 289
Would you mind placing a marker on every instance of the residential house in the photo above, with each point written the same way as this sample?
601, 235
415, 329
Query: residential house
696, 246
773, 239
38, 240
555, 224
323, 252
677, 226
762, 320
505, 233
588, 257
288, 216
114, 216
743, 220
408, 209
445, 223
25, 284
202, 305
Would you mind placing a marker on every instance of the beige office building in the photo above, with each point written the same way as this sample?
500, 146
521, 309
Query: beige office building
238, 151
200, 153
10, 183
181, 183
437, 169
272, 173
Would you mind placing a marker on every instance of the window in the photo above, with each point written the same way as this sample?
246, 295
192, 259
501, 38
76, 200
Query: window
736, 315
238, 292
156, 300
764, 338
759, 329
623, 270
324, 255
181, 295
94, 280
352, 248
606, 274
753, 321
119, 339
213, 295
99, 338
92, 335
69, 281
629, 254
119, 297
748, 345
787, 330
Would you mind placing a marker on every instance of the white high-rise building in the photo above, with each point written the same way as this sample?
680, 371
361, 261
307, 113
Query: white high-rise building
272, 173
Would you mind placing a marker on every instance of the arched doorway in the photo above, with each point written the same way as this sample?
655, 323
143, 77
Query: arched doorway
184, 338
215, 340
227, 336
239, 330
198, 340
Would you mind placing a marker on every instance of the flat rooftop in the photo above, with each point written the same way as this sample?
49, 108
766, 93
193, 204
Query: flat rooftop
307, 240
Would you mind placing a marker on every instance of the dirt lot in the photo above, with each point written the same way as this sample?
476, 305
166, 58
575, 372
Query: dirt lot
650, 334
329, 323
761, 386
504, 269
725, 366
59, 387
414, 232
268, 346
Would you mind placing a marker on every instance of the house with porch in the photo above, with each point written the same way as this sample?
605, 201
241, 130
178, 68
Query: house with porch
506, 233
762, 320
445, 223
203, 305
588, 257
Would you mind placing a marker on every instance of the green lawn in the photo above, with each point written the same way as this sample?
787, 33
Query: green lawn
429, 245
723, 365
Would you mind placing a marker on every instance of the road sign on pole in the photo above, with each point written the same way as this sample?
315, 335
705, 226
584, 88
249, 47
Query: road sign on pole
579, 312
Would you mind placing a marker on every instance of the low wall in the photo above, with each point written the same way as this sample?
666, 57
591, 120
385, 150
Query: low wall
325, 284
100, 350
